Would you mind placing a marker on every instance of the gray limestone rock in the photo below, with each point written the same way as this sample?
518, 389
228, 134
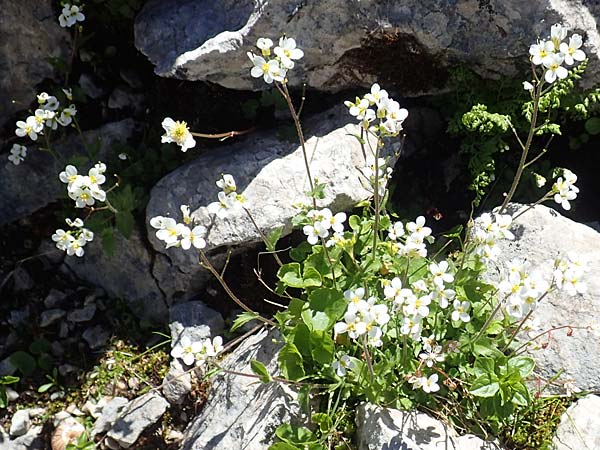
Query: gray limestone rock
95, 336
37, 177
20, 423
241, 412
542, 234
50, 316
108, 416
579, 427
126, 274
354, 43
391, 429
271, 175
84, 314
138, 415
29, 35
195, 321
176, 384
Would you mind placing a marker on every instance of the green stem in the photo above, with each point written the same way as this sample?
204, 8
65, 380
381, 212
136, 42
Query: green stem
263, 237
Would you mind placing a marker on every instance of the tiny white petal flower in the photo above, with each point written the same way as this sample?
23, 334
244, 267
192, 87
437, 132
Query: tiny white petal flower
178, 132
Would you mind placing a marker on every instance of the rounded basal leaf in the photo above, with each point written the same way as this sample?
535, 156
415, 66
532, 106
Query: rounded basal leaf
523, 364
484, 387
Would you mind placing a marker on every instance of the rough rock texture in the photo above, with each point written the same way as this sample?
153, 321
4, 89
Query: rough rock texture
138, 415
110, 413
127, 274
354, 43
579, 426
38, 175
195, 321
29, 36
32, 440
271, 174
241, 412
541, 235
177, 383
391, 429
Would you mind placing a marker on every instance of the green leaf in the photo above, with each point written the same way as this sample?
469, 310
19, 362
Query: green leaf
3, 397
290, 362
486, 347
300, 252
259, 369
354, 222
293, 434
290, 275
124, 223
243, 319
24, 362
304, 399
107, 237
44, 387
484, 366
272, 238
326, 306
311, 277
322, 347
484, 387
39, 346
8, 379
522, 364
283, 446
323, 420
592, 125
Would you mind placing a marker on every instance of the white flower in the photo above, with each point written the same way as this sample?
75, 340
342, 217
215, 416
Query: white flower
411, 326
168, 231
68, 93
66, 116
443, 296
343, 364
227, 183
77, 223
418, 227
222, 207
396, 231
70, 15
42, 98
287, 52
360, 109
334, 222
186, 350
270, 70
440, 275
75, 246
376, 95
314, 232
264, 44
28, 128
527, 86
17, 154
430, 384
432, 355
572, 51
178, 132
96, 176
541, 51
417, 306
394, 115
52, 103
122, 156
557, 34
69, 175
554, 70
61, 237
460, 311
41, 116
194, 237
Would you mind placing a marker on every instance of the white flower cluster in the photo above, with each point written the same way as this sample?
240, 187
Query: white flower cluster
274, 67
428, 384
70, 15
387, 117
73, 240
363, 317
197, 351
17, 154
178, 132
47, 115
432, 353
488, 229
564, 189
409, 240
324, 221
568, 274
84, 189
175, 234
381, 176
229, 199
522, 288
553, 52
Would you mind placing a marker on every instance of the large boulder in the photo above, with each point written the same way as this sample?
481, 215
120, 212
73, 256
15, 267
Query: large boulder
34, 183
353, 43
579, 426
240, 411
270, 172
387, 428
29, 37
542, 234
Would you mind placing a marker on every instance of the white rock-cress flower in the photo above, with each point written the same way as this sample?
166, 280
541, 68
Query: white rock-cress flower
572, 51
440, 273
488, 229
66, 116
343, 364
430, 384
460, 312
227, 184
360, 109
51, 103
193, 237
29, 127
376, 95
287, 52
558, 33
432, 355
418, 227
269, 70
178, 132
554, 69
186, 350
185, 212
222, 207
396, 231
70, 15
264, 44
17, 154
527, 86
315, 232
388, 113
540, 51
168, 232
564, 189
68, 93
73, 240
